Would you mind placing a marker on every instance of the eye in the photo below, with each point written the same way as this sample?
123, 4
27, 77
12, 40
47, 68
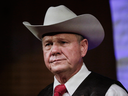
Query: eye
63, 42
48, 44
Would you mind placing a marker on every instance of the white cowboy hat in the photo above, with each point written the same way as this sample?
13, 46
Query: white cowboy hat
61, 19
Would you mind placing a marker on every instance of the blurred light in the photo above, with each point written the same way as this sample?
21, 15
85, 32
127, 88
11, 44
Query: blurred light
119, 13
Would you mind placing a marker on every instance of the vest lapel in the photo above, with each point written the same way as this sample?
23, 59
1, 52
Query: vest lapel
49, 91
94, 85
83, 90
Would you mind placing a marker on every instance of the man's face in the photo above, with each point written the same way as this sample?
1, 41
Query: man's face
63, 53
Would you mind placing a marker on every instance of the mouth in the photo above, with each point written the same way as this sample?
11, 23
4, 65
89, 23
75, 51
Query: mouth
57, 60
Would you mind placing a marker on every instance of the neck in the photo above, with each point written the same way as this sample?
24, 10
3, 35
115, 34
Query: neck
65, 76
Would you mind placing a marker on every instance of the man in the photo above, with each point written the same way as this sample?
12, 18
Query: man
66, 38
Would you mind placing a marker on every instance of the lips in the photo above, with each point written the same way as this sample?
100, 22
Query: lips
56, 60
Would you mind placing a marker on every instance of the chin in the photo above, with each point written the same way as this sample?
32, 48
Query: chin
58, 70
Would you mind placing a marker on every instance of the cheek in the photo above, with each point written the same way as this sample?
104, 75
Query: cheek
73, 54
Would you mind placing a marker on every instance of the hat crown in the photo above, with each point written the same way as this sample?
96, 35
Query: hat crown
58, 14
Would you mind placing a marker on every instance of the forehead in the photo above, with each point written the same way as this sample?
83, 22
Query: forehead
59, 36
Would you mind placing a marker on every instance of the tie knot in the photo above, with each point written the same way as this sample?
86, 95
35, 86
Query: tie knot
60, 90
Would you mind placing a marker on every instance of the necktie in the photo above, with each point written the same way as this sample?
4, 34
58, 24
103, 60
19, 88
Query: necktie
60, 90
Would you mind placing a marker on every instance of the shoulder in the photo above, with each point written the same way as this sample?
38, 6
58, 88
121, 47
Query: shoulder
97, 78
101, 82
110, 84
46, 90
116, 90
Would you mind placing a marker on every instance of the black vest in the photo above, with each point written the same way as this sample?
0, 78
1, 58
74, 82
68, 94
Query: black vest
93, 85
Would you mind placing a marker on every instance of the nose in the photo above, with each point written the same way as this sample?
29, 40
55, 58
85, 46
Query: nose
55, 50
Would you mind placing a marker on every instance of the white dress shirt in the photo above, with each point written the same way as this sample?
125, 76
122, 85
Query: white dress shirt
73, 83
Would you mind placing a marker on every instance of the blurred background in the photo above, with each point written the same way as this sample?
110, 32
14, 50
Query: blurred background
22, 69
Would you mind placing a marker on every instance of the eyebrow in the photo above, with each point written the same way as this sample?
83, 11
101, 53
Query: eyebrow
46, 40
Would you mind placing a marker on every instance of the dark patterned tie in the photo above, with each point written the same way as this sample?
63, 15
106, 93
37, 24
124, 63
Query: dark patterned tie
60, 90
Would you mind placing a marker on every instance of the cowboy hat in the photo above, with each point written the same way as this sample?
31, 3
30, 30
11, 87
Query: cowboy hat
61, 19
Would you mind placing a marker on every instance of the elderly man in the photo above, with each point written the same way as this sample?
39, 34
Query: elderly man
66, 38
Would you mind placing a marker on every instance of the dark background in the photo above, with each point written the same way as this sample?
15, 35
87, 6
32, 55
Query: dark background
22, 69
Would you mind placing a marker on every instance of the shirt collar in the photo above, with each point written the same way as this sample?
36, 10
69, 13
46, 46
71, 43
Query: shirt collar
73, 83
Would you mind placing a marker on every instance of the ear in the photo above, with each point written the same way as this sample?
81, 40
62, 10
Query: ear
84, 47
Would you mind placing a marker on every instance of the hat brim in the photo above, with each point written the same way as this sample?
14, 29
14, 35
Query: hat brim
86, 25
